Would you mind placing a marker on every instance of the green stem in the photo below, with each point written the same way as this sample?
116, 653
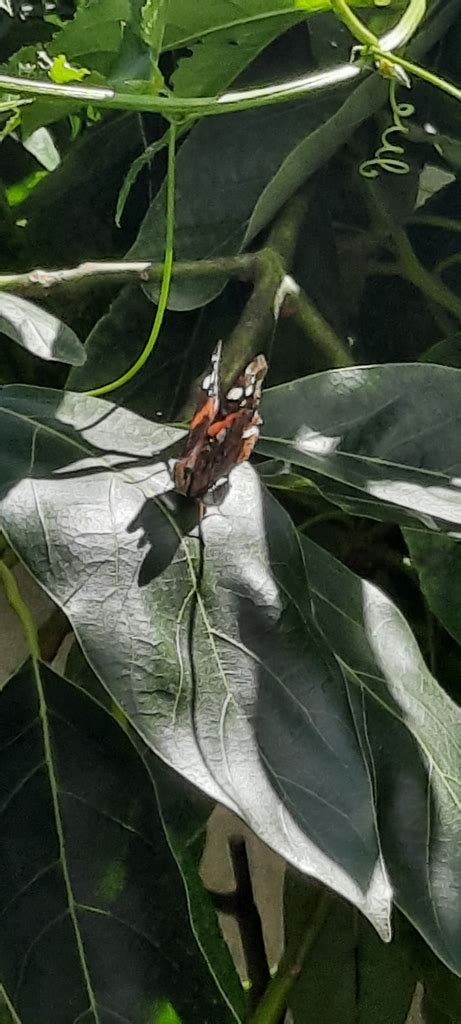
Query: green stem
432, 287
356, 27
275, 1000
420, 72
426, 220
400, 34
407, 263
398, 37
166, 279
320, 332
171, 107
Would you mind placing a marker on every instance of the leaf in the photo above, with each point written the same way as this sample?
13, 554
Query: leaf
437, 560
82, 195
94, 920
442, 1004
410, 731
42, 147
216, 663
214, 61
446, 352
186, 24
235, 172
184, 815
348, 971
320, 144
153, 18
38, 331
93, 37
61, 71
432, 1014
382, 441
221, 170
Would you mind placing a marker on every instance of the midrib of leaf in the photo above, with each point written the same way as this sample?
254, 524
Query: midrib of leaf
191, 917
366, 459
370, 769
9, 1005
364, 759
358, 676
358, 679
64, 438
44, 720
229, 25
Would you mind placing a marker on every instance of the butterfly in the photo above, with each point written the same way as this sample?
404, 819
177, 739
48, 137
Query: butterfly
223, 430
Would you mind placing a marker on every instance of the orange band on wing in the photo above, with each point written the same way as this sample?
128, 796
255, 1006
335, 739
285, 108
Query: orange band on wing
222, 424
206, 412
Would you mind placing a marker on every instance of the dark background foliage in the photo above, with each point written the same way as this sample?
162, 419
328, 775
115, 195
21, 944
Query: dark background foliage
296, 655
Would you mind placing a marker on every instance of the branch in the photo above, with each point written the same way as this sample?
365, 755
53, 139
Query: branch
173, 108
235, 266
407, 263
320, 332
275, 1000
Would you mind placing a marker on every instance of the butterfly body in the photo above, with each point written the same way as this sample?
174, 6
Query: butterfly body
223, 430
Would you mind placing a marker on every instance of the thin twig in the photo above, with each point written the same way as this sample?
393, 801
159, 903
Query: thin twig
234, 266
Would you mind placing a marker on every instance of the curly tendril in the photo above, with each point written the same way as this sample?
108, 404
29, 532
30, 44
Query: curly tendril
389, 155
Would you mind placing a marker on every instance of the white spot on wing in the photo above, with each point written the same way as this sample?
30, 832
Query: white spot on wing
234, 394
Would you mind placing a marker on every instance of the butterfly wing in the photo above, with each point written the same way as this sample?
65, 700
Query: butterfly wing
197, 439
224, 429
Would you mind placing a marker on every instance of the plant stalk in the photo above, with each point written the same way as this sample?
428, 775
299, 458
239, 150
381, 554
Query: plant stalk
275, 1000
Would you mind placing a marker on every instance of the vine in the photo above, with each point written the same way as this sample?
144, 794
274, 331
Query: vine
166, 275
389, 155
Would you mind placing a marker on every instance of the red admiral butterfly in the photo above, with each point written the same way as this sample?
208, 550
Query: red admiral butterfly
223, 430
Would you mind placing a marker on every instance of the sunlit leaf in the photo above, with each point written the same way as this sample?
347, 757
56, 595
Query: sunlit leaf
228, 680
39, 331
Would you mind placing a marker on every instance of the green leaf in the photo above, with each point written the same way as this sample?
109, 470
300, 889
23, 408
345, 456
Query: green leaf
8, 1014
381, 441
348, 971
214, 61
410, 731
320, 144
82, 195
432, 1014
61, 71
94, 920
153, 18
184, 815
222, 168
217, 663
41, 145
234, 173
93, 37
38, 331
442, 1003
437, 560
446, 352
186, 24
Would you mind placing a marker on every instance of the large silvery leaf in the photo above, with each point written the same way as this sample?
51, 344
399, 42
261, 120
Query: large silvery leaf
94, 915
211, 650
39, 331
383, 441
411, 733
